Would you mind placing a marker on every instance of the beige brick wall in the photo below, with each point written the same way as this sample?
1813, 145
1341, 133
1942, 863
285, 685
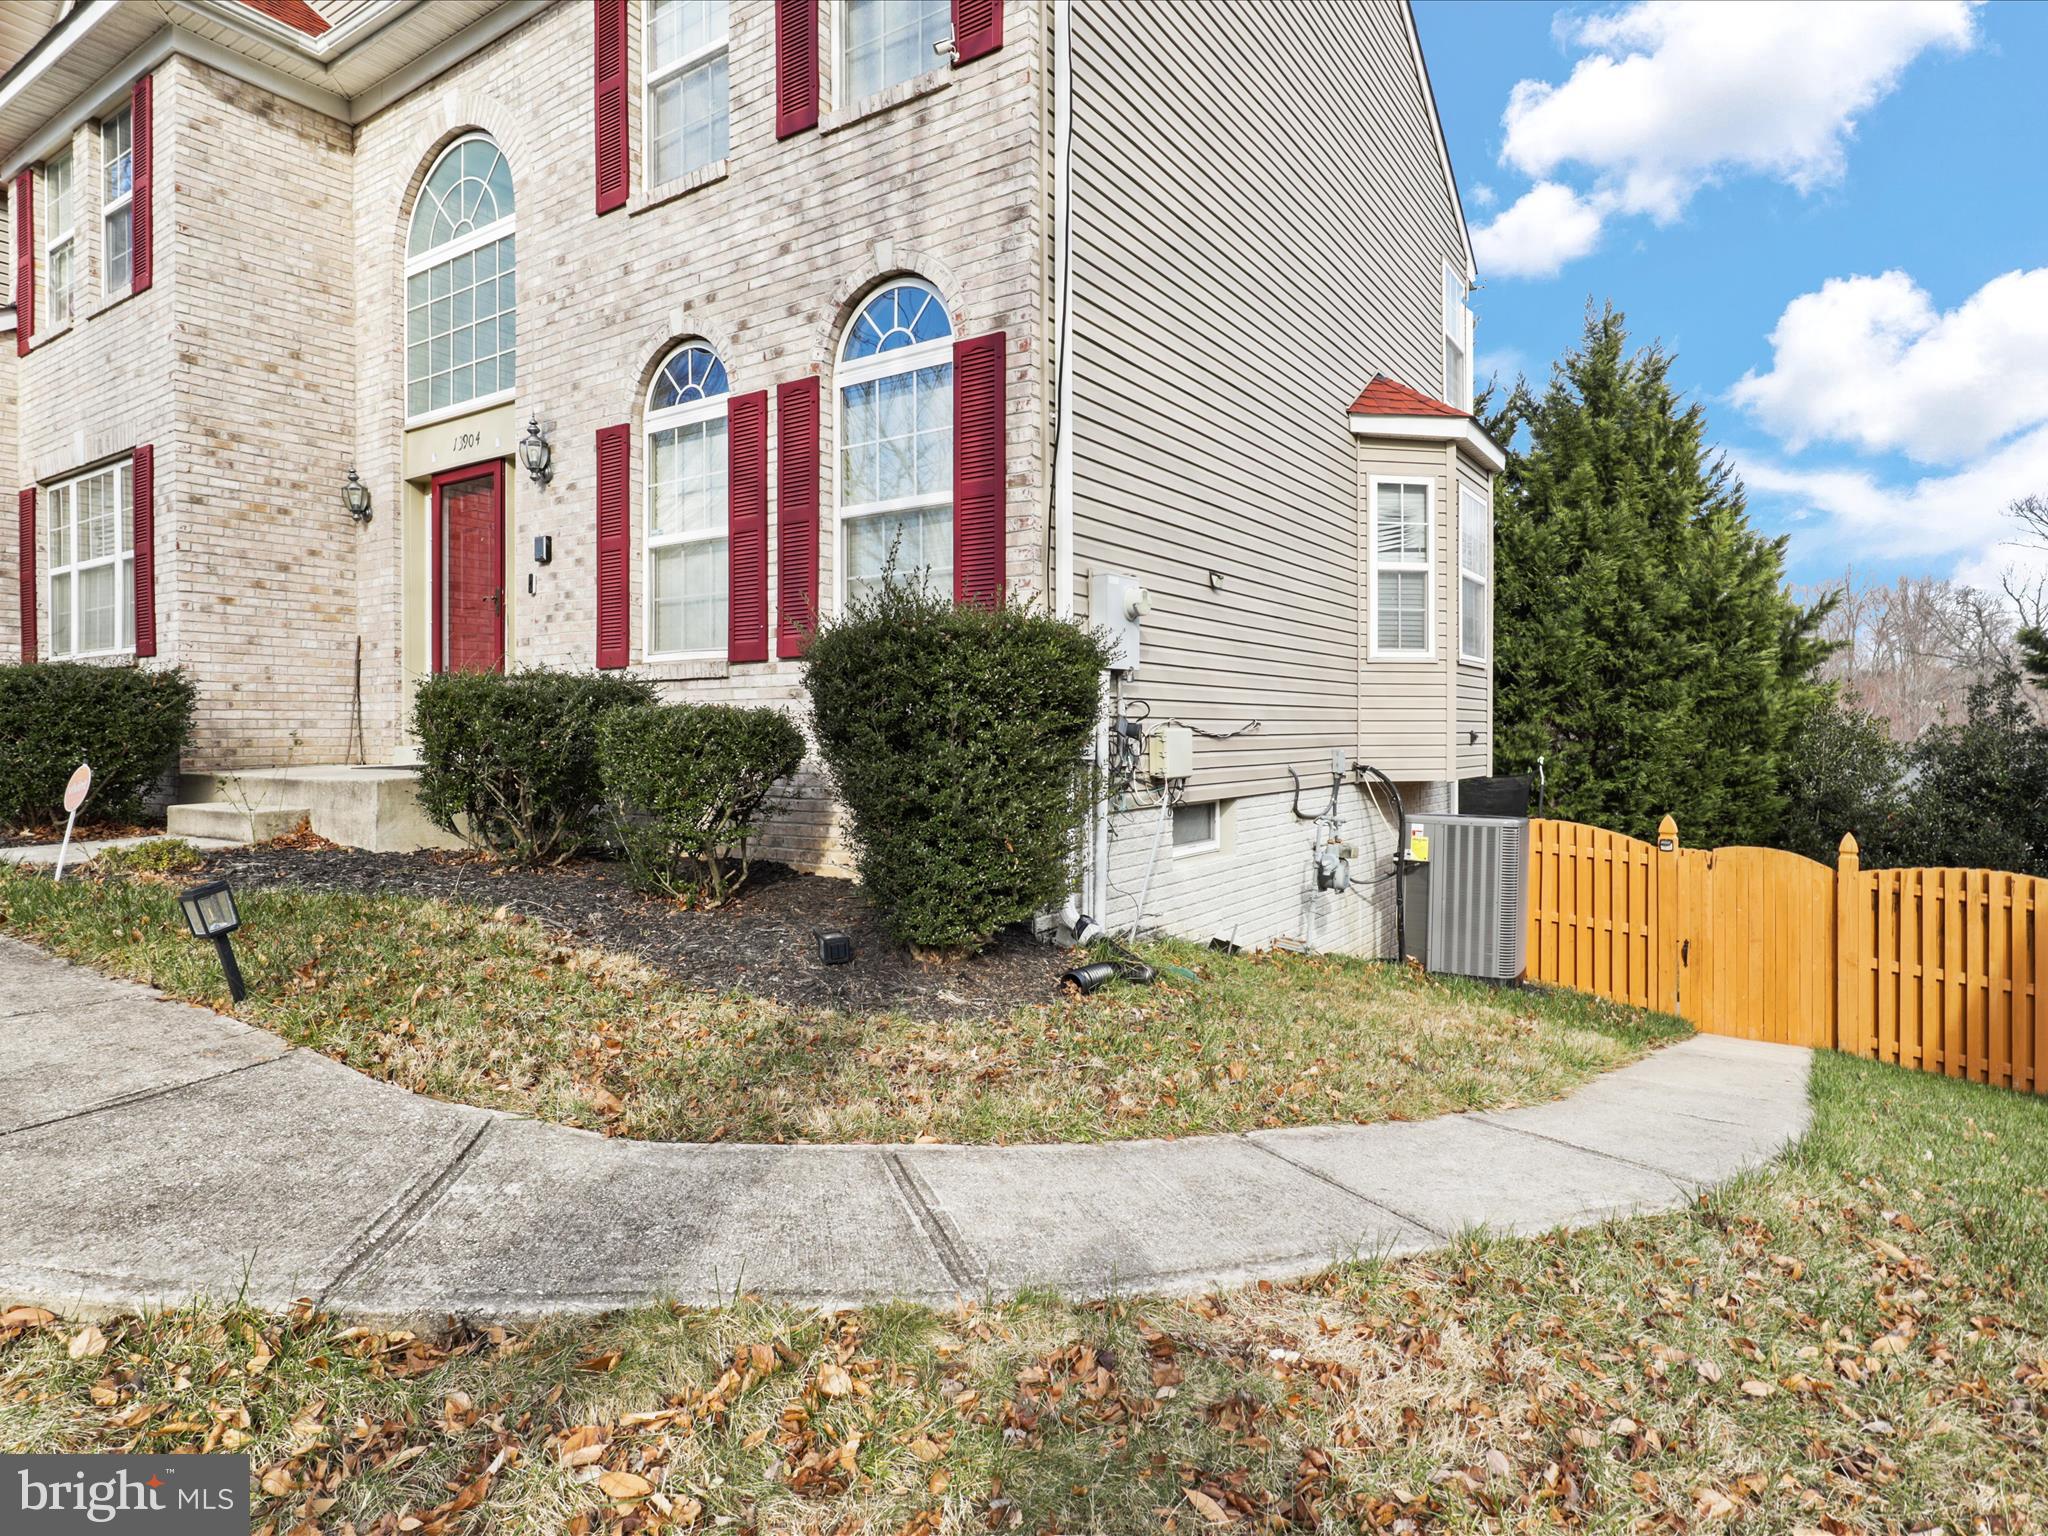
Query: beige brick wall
766, 264
264, 607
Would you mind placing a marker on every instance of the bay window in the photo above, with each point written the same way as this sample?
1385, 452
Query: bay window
1475, 580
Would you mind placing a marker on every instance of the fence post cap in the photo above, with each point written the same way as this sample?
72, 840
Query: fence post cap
1848, 845
1667, 827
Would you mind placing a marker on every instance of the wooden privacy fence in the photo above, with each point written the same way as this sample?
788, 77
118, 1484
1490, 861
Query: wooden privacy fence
1938, 969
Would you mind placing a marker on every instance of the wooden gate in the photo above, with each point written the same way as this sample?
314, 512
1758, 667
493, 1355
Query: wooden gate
1945, 970
1756, 954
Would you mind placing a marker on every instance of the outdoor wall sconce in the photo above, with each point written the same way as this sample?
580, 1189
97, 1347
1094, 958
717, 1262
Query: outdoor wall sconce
356, 497
210, 913
534, 453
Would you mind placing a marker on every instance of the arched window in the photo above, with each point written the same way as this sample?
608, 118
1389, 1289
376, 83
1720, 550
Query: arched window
895, 383
461, 338
687, 456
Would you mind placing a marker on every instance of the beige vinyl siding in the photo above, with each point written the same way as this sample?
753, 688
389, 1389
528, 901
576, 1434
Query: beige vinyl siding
1260, 222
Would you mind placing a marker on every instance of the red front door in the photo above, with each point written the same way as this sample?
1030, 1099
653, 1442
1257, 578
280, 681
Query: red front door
469, 569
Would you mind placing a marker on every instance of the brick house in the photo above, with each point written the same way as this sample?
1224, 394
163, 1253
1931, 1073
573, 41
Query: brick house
1080, 299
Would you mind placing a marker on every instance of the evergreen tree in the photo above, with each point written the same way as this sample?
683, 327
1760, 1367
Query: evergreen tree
1645, 648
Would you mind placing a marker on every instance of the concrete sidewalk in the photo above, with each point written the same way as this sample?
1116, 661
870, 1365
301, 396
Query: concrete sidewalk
152, 1152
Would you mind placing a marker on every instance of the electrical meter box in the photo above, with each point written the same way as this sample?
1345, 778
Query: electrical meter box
1170, 753
1117, 605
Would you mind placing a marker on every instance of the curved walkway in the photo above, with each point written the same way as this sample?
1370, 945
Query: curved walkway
151, 1152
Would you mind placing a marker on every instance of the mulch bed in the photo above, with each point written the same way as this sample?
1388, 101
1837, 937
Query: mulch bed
84, 832
762, 942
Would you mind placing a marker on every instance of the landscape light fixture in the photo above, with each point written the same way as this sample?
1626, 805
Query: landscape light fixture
835, 948
356, 497
210, 913
534, 453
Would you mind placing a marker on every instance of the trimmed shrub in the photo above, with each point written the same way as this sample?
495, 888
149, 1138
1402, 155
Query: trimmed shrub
956, 738
509, 762
688, 784
130, 724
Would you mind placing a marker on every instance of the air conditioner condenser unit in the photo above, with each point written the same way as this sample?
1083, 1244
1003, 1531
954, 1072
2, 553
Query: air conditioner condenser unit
1474, 895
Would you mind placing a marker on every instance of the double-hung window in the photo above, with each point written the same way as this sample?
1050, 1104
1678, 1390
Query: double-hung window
117, 161
890, 41
92, 564
1401, 625
1475, 580
688, 104
60, 247
688, 514
1457, 341
895, 383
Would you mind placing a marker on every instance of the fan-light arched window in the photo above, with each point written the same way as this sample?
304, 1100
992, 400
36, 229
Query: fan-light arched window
461, 335
686, 542
895, 386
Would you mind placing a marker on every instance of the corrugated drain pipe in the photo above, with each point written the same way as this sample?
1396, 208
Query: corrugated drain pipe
1400, 859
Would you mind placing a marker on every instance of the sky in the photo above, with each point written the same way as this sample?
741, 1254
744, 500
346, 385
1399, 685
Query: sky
1835, 215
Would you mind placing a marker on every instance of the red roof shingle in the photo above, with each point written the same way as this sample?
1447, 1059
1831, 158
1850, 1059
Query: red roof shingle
296, 14
1390, 397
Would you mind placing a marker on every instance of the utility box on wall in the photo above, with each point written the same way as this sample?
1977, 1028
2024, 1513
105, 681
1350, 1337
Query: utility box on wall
1117, 605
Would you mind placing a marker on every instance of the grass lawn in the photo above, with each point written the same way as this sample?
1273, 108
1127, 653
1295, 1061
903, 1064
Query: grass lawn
1849, 1342
488, 1008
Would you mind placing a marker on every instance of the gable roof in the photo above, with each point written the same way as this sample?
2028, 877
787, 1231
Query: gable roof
1390, 397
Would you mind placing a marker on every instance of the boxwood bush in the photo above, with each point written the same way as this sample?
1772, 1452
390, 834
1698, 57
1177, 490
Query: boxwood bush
510, 761
130, 724
955, 736
688, 784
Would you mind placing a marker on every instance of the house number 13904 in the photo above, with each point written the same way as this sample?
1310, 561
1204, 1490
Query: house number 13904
467, 440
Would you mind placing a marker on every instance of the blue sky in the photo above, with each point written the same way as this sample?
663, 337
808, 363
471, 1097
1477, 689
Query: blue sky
1864, 182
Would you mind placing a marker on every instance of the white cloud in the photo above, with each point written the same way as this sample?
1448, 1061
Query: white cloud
1869, 361
1676, 94
1958, 517
1544, 228
1483, 195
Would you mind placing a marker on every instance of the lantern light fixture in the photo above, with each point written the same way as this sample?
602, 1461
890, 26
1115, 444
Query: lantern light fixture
356, 497
210, 913
535, 453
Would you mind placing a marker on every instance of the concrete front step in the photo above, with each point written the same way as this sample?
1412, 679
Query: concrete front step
235, 823
376, 808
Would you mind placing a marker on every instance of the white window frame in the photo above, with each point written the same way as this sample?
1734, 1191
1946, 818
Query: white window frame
717, 408
123, 473
438, 255
1471, 502
882, 365
1457, 329
650, 78
58, 242
1426, 565
1213, 843
842, 71
111, 206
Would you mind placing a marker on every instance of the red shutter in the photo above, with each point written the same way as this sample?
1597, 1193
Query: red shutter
614, 543
142, 220
142, 483
978, 469
977, 28
796, 515
24, 261
796, 66
28, 573
746, 528
614, 170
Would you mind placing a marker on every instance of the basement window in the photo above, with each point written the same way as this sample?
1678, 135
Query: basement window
1196, 828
